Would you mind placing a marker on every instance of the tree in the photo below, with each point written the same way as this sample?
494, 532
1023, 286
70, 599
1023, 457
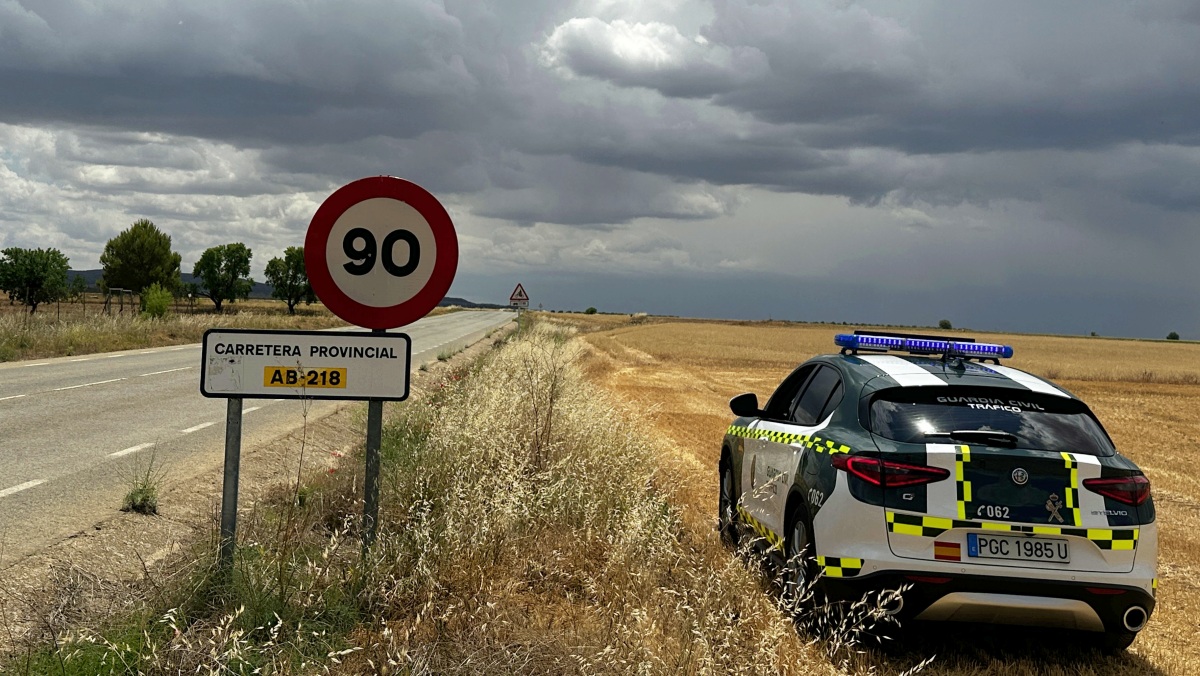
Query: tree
945, 325
34, 276
139, 257
156, 301
290, 278
590, 311
189, 292
77, 289
6, 279
1172, 336
224, 272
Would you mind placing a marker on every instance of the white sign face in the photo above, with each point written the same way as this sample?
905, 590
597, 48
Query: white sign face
381, 252
519, 303
304, 365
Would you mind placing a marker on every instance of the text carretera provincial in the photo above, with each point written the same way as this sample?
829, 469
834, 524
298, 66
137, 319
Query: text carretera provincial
323, 351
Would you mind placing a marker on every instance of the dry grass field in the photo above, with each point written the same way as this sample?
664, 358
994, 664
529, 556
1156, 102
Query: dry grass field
1147, 393
65, 329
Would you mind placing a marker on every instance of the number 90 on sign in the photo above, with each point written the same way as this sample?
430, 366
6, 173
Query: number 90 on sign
293, 377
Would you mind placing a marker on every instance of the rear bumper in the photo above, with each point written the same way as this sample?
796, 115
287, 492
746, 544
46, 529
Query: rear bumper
978, 598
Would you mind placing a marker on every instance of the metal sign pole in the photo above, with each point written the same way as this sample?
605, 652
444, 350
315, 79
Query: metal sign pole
229, 493
371, 489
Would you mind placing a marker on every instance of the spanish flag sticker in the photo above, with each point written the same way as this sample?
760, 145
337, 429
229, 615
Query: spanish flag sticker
947, 551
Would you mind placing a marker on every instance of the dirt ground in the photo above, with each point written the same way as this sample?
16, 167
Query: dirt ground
1145, 392
119, 561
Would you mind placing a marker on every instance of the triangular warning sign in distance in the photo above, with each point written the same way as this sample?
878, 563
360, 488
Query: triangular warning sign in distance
518, 294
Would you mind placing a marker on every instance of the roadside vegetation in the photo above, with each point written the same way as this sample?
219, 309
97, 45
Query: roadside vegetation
76, 329
144, 476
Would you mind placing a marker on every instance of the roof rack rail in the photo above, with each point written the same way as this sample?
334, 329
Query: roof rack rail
947, 348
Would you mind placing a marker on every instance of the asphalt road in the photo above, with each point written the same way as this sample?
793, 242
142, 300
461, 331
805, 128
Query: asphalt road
71, 428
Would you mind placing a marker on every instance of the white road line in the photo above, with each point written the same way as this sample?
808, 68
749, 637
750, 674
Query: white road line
20, 487
181, 347
84, 359
148, 352
72, 387
131, 449
113, 356
197, 428
181, 368
15, 396
252, 409
25, 366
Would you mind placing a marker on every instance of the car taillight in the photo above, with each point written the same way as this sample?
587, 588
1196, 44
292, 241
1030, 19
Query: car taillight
888, 473
1130, 490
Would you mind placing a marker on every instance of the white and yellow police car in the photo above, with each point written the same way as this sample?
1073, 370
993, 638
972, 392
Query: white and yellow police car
920, 460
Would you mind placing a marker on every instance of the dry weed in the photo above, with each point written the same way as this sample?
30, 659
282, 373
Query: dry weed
37, 336
528, 535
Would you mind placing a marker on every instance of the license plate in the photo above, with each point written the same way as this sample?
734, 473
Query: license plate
1018, 548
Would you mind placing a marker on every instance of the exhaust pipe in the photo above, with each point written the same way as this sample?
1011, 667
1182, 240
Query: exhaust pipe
1135, 618
894, 605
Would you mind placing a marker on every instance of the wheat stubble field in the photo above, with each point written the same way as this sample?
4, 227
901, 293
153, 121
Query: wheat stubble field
1147, 394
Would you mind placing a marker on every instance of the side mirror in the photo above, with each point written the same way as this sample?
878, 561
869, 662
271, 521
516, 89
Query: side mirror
745, 405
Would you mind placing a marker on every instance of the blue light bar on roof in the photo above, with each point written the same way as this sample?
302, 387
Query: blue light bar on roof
922, 346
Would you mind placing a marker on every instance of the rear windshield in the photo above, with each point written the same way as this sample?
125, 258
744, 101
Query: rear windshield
920, 415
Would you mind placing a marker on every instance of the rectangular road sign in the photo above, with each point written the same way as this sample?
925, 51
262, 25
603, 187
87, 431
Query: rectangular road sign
257, 364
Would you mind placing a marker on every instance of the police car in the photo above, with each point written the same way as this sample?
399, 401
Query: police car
922, 461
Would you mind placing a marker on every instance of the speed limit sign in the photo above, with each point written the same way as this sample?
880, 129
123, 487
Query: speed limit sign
381, 252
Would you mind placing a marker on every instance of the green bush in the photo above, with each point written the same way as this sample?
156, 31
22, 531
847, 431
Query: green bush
156, 300
144, 479
590, 311
1172, 336
945, 325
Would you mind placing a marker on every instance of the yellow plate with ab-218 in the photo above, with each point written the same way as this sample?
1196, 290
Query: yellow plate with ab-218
293, 377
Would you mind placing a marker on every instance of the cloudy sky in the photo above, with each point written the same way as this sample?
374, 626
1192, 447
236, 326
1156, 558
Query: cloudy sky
1026, 166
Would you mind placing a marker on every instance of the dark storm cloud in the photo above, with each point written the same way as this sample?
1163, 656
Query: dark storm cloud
575, 193
862, 104
937, 77
864, 101
443, 162
565, 133
942, 105
251, 72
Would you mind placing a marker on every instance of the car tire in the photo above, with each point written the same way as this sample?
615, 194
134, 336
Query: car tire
800, 563
1115, 642
726, 502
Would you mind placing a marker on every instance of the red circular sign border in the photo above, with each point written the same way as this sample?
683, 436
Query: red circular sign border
444, 267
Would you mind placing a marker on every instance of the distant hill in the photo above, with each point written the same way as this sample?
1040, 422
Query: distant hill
463, 302
260, 290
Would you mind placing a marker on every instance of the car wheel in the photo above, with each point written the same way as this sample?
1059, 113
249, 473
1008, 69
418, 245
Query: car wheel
800, 565
1117, 641
726, 517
